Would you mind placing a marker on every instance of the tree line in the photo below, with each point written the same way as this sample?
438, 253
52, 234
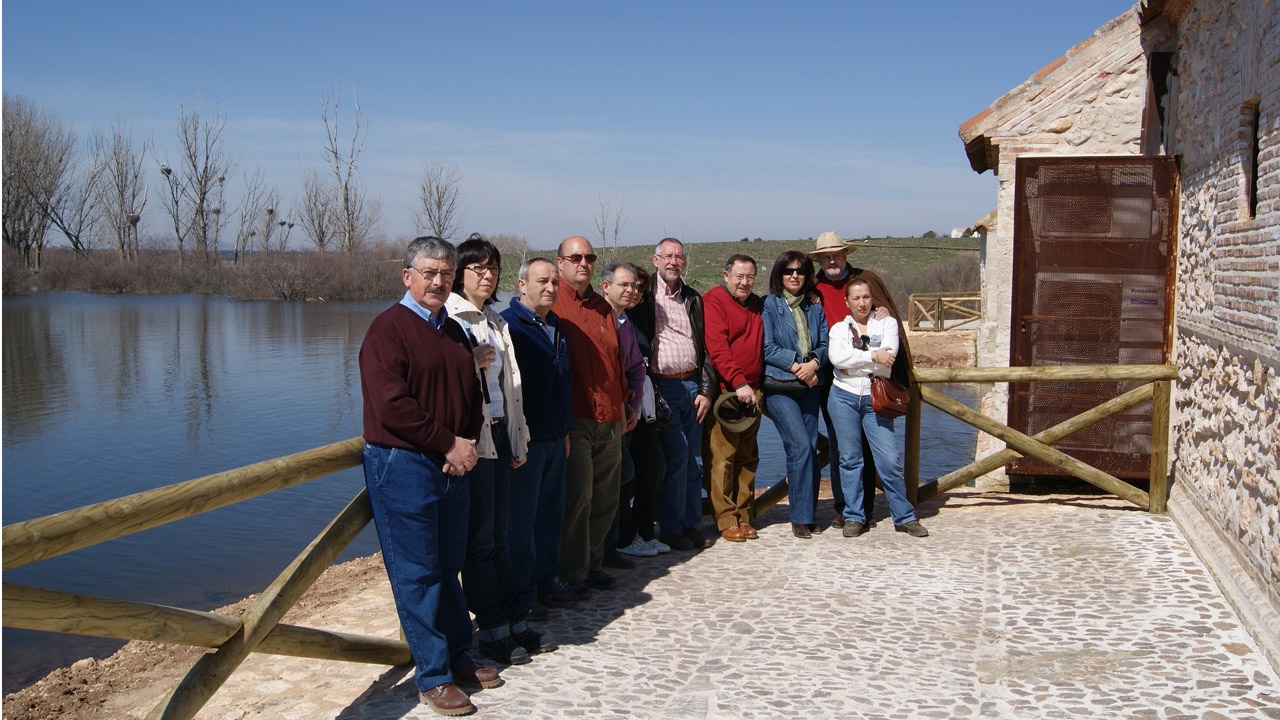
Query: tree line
95, 193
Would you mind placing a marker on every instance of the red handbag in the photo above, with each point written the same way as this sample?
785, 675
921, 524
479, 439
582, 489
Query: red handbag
888, 398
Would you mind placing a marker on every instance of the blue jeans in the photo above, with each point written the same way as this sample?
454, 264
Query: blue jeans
680, 499
421, 517
535, 516
854, 419
486, 575
833, 457
795, 415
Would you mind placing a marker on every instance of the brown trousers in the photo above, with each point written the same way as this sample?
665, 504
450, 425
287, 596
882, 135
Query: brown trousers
732, 471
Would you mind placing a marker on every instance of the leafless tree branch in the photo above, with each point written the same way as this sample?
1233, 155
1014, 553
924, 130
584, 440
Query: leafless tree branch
436, 209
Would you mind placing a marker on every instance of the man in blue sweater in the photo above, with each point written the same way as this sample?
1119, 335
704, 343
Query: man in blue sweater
537, 487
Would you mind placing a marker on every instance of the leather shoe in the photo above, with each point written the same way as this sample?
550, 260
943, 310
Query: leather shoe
677, 541
912, 528
837, 522
748, 532
853, 529
600, 580
473, 675
733, 533
816, 529
801, 531
695, 537
447, 699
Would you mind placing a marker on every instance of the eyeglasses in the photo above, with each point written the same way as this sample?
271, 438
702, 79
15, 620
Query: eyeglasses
577, 258
793, 271
431, 275
627, 286
479, 269
673, 258
743, 278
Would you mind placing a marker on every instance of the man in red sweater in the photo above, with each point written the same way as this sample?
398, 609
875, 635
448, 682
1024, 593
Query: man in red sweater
735, 341
422, 415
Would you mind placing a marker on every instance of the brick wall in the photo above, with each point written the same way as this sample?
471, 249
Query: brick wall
1227, 400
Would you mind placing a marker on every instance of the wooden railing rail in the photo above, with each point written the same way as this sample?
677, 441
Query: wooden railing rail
1157, 391
258, 630
942, 311
44, 537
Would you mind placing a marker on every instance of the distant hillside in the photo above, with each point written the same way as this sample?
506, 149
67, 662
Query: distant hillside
919, 268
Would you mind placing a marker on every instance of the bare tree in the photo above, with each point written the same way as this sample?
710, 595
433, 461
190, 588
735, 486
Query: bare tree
196, 186
439, 200
356, 214
609, 222
249, 215
514, 247
276, 224
316, 214
121, 191
38, 165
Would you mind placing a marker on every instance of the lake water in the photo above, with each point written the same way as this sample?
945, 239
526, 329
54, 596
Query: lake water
104, 396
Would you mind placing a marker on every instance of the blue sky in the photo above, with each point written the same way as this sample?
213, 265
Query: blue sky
709, 121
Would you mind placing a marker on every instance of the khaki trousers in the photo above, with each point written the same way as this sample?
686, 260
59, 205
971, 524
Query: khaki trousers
591, 486
734, 458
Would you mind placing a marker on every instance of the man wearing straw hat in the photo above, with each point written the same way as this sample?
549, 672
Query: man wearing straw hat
831, 254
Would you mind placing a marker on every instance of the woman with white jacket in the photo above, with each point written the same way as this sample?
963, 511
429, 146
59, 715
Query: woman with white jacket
504, 436
862, 347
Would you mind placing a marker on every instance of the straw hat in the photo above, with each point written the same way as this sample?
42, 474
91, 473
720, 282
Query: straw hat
830, 242
732, 414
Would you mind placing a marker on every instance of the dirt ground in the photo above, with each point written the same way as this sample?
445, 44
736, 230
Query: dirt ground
141, 672
955, 348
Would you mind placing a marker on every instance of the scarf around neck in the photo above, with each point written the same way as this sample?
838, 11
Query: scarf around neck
803, 341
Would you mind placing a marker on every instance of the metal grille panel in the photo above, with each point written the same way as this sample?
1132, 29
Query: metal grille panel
1093, 285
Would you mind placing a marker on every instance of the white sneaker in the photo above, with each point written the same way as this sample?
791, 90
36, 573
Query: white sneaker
658, 546
638, 548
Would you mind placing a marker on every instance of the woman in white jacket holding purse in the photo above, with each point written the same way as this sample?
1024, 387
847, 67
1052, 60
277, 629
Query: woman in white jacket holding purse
862, 347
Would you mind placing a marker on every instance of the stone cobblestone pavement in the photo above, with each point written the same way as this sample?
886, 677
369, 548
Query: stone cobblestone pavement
1014, 607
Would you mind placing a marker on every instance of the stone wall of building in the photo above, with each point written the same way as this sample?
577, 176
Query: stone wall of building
1227, 399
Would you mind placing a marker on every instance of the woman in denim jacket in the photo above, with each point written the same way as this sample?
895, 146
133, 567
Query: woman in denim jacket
795, 347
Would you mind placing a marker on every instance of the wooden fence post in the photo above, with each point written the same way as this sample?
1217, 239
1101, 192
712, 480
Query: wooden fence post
1158, 489
911, 463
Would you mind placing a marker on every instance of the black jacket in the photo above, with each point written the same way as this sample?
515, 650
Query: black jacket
643, 316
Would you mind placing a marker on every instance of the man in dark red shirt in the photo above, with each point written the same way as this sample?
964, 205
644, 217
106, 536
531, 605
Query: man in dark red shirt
422, 414
735, 345
594, 468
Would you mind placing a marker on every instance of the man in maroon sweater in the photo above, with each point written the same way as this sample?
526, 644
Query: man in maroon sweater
422, 415
735, 341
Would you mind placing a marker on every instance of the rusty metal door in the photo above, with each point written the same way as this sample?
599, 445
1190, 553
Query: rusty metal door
1093, 271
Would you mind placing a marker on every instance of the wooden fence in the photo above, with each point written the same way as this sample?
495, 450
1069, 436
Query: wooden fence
1155, 391
942, 311
258, 630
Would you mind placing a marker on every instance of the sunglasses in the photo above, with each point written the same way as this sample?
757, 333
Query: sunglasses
577, 258
792, 271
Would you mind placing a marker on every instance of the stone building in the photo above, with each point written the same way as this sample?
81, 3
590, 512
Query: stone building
1198, 80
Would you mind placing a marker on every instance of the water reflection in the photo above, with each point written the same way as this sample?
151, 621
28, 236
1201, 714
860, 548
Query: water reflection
106, 396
